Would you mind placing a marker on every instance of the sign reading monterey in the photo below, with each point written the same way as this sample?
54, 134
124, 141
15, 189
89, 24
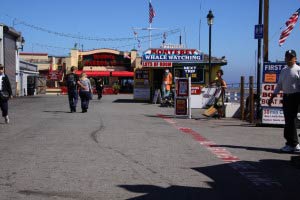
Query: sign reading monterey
173, 55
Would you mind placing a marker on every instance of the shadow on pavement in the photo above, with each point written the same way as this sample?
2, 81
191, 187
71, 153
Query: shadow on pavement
250, 148
129, 101
266, 179
55, 111
157, 116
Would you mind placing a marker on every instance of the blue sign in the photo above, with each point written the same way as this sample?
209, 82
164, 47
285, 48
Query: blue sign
173, 55
271, 71
259, 31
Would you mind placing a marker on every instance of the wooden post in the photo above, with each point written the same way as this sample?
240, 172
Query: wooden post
251, 99
242, 105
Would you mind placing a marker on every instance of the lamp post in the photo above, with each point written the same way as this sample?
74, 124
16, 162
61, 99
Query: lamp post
210, 20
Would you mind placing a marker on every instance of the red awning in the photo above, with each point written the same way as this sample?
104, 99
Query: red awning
122, 73
94, 73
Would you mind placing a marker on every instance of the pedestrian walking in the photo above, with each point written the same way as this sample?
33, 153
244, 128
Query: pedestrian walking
99, 87
289, 83
85, 90
5, 93
219, 96
71, 80
219, 101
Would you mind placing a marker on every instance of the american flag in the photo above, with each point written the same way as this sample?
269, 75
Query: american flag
289, 27
151, 13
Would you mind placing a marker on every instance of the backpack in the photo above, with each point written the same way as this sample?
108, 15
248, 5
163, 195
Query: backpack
71, 81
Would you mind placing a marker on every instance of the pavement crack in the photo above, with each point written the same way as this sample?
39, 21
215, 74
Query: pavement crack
93, 134
138, 168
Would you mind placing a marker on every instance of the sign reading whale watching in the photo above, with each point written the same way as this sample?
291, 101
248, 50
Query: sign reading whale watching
173, 55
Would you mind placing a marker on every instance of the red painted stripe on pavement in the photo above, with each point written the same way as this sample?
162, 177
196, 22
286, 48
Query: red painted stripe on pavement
243, 168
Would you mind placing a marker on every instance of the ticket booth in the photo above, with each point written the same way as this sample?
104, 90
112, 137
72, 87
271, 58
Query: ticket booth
181, 62
157, 60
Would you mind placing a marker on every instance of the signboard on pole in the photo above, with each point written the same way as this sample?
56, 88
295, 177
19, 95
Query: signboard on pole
182, 87
182, 94
259, 31
181, 106
273, 114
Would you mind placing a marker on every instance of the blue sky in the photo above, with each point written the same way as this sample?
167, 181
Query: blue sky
232, 31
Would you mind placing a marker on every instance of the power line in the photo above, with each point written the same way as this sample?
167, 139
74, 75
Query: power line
69, 35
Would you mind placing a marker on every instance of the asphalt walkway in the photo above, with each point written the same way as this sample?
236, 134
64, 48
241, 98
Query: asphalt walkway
122, 149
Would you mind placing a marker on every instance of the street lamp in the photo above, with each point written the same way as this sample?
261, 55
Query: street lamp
210, 20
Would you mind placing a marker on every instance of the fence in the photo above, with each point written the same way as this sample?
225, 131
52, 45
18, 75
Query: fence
233, 91
243, 94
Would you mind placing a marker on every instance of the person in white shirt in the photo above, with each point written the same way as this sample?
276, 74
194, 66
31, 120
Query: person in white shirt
85, 90
289, 83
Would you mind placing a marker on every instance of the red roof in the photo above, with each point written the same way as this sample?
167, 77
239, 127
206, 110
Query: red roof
122, 73
94, 73
33, 54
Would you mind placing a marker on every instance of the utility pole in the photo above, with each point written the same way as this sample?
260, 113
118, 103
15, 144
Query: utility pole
258, 115
266, 30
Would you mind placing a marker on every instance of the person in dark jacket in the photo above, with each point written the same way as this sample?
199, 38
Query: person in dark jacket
71, 81
99, 87
5, 88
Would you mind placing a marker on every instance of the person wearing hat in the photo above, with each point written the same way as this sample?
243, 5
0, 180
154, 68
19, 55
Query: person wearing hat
289, 83
5, 88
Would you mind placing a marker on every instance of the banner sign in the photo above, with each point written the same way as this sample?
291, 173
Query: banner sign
157, 64
272, 116
196, 90
267, 91
271, 72
173, 55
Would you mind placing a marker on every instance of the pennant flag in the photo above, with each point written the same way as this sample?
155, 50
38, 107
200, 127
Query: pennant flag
151, 13
289, 27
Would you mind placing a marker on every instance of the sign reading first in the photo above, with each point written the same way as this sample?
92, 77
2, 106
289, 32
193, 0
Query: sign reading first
173, 55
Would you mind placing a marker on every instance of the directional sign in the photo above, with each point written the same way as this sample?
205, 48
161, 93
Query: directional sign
189, 69
259, 31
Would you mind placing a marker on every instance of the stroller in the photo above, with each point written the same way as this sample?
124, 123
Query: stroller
168, 101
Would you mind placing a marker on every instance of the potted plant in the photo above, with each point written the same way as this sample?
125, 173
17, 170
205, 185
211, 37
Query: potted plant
116, 88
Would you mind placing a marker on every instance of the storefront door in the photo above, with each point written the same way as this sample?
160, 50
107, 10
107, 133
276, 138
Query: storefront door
157, 78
